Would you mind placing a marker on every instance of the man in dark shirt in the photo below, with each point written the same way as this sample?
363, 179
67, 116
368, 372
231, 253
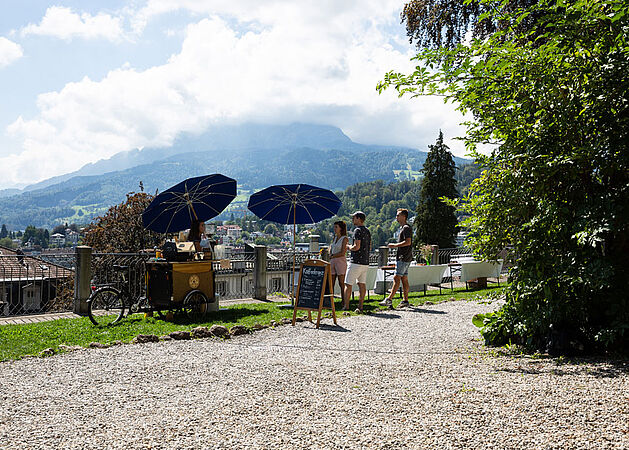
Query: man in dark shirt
403, 259
359, 260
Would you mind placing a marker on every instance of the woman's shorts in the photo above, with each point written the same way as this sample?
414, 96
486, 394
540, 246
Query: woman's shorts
338, 266
356, 272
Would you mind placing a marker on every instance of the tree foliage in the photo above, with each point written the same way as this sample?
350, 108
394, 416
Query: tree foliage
36, 236
120, 228
444, 23
6, 242
436, 222
554, 99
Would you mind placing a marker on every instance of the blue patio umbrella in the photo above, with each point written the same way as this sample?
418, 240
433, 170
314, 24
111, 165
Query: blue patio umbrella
294, 203
199, 198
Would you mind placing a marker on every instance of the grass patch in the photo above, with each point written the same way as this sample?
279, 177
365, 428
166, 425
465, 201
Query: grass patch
17, 341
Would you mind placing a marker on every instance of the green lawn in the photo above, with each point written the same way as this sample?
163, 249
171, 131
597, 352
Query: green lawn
17, 341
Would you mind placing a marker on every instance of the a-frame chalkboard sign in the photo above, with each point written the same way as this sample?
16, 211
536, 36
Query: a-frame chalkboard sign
314, 289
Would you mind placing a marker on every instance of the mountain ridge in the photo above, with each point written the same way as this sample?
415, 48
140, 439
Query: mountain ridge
82, 196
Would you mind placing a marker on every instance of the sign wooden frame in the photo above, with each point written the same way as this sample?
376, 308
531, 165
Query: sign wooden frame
327, 285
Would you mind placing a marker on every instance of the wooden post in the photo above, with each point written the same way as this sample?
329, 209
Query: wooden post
82, 278
259, 273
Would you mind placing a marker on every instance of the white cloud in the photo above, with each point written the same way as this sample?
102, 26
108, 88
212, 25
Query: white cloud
282, 62
9, 52
63, 23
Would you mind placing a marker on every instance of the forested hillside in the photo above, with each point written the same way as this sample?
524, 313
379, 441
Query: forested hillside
82, 198
379, 201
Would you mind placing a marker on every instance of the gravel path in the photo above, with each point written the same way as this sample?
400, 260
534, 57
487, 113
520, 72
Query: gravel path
403, 379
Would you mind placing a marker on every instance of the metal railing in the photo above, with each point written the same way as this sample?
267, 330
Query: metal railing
446, 255
35, 285
30, 285
103, 272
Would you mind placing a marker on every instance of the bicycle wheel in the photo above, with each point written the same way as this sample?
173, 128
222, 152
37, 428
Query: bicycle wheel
105, 306
194, 304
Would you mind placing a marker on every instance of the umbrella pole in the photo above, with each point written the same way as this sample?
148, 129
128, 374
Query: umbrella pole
292, 297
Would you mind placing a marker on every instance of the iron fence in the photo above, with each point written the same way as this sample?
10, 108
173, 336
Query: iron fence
447, 255
104, 273
35, 285
31, 285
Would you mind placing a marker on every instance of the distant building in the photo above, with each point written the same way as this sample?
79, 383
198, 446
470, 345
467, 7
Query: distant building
27, 284
57, 240
72, 238
232, 231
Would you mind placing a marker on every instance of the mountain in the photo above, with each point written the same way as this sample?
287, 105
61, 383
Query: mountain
263, 156
220, 138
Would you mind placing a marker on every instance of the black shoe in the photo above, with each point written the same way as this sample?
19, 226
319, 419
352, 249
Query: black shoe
404, 304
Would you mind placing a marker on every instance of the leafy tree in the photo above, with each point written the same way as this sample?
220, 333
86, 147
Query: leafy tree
554, 100
37, 236
120, 229
271, 228
4, 232
6, 242
436, 222
444, 23
59, 229
465, 175
272, 240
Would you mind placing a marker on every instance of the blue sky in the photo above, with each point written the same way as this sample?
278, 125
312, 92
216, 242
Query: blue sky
83, 80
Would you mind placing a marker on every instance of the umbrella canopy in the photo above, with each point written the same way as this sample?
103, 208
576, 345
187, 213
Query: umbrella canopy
199, 198
294, 203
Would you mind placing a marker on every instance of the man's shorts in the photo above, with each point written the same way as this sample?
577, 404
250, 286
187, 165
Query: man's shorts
356, 272
401, 268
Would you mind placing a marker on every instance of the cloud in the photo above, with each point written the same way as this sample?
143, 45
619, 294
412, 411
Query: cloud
282, 62
9, 52
63, 23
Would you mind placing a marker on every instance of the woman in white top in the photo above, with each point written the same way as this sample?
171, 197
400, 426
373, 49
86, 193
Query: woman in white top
338, 263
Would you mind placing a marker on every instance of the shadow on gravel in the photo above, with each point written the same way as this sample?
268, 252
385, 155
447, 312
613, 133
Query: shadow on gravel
325, 326
385, 315
424, 311
596, 367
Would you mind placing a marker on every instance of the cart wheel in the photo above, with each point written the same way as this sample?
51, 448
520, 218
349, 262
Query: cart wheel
105, 306
194, 304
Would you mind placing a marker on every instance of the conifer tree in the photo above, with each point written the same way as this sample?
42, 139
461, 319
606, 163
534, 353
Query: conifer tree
436, 222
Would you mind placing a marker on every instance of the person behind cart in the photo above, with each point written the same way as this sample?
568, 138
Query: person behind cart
198, 237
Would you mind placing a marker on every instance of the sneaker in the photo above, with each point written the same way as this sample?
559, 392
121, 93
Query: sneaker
386, 302
404, 304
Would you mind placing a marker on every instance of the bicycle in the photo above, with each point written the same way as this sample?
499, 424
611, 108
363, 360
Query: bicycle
107, 304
